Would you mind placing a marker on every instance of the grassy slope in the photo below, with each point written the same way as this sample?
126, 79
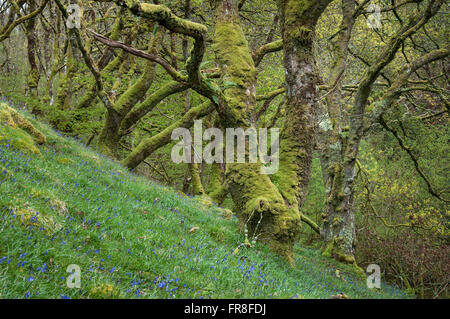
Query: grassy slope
132, 238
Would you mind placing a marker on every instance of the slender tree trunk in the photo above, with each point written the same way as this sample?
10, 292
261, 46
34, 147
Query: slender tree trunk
62, 100
34, 76
338, 229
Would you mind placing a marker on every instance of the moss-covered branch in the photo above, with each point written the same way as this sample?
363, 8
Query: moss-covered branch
149, 145
261, 52
7, 29
152, 57
140, 110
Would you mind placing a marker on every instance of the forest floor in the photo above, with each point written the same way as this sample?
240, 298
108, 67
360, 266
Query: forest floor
132, 238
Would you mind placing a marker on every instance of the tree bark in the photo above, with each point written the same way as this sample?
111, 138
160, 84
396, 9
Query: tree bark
30, 31
298, 21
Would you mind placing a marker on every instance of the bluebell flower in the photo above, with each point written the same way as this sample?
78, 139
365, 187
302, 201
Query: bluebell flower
161, 284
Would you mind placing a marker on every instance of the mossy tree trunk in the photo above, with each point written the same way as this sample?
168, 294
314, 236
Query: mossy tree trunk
253, 193
338, 229
217, 187
197, 186
298, 21
57, 56
62, 100
30, 32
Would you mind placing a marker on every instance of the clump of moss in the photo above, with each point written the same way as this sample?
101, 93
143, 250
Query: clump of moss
261, 208
18, 140
54, 203
91, 157
204, 200
18, 132
14, 120
331, 250
30, 218
226, 213
5, 117
65, 161
104, 291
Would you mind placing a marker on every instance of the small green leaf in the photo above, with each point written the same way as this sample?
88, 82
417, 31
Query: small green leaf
228, 84
155, 29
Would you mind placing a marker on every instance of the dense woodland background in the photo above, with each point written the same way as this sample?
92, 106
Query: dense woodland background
363, 112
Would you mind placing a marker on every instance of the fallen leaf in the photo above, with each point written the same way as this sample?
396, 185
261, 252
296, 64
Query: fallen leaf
193, 229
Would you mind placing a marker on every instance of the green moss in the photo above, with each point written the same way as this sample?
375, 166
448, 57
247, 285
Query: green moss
104, 291
18, 132
196, 180
295, 162
30, 218
237, 67
254, 196
332, 250
336, 221
162, 13
12, 119
204, 200
65, 161
62, 100
18, 140
215, 178
5, 116
225, 213
294, 11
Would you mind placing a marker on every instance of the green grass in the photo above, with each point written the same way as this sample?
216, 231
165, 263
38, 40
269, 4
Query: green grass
74, 206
